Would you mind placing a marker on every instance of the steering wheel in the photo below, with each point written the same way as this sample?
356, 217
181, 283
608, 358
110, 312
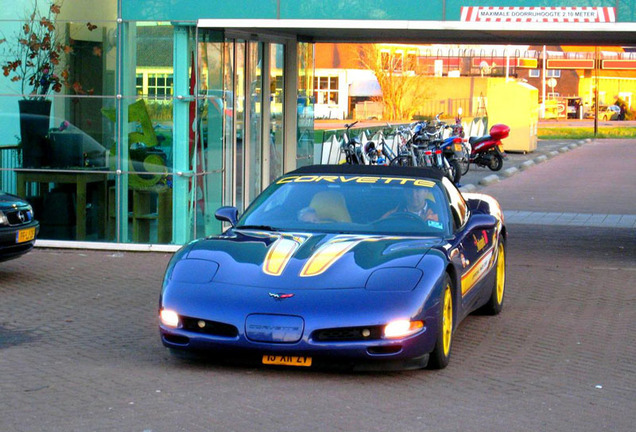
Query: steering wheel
405, 215
326, 220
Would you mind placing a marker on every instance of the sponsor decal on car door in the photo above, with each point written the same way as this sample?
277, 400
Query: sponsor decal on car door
479, 250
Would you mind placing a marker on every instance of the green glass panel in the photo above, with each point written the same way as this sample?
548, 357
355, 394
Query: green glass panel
253, 149
305, 105
150, 213
191, 10
277, 97
362, 9
154, 43
84, 57
213, 174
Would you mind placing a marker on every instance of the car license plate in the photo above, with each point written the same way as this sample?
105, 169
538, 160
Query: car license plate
287, 360
458, 147
25, 235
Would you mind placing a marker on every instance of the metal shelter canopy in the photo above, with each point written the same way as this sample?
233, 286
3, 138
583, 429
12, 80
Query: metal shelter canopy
401, 31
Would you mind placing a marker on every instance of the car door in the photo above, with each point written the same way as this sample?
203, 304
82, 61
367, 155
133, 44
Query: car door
472, 250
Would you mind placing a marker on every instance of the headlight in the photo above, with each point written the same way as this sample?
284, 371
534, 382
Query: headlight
3, 219
194, 271
401, 328
394, 279
169, 318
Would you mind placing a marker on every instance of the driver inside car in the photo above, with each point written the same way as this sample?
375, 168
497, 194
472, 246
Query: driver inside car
418, 202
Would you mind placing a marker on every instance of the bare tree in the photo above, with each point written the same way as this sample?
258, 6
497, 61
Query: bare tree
396, 72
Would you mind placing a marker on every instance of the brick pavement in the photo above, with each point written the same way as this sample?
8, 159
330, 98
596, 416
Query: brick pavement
80, 351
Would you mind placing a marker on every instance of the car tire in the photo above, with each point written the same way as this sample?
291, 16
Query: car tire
440, 356
496, 300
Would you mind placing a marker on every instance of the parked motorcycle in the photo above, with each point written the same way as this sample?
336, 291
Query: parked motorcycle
488, 150
454, 152
444, 154
351, 147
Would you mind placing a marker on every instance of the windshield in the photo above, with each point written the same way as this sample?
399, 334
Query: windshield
357, 204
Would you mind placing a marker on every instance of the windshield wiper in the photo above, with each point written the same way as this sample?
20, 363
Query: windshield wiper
257, 227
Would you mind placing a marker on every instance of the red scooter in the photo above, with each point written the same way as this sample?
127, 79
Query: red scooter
488, 150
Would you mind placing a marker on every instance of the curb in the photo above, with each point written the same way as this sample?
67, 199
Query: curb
509, 172
488, 180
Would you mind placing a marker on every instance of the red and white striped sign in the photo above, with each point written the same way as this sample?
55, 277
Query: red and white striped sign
538, 14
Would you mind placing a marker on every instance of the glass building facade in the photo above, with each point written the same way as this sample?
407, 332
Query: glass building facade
130, 121
145, 124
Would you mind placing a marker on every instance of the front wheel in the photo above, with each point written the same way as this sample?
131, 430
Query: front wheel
496, 300
440, 356
496, 163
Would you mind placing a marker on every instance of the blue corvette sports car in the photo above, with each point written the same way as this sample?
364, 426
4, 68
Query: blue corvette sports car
371, 267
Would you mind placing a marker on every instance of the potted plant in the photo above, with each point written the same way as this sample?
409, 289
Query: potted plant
35, 57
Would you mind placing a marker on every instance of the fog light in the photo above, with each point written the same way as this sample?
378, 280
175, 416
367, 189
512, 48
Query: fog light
169, 318
402, 328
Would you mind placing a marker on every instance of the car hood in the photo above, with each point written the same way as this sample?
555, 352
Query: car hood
301, 260
8, 200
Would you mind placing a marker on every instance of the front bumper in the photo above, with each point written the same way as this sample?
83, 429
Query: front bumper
378, 353
9, 248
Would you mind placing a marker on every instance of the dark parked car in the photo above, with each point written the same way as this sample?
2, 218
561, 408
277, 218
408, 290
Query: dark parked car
18, 227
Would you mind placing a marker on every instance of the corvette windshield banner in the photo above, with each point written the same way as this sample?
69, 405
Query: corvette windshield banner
538, 14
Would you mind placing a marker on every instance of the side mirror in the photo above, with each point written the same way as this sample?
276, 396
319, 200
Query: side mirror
481, 222
227, 214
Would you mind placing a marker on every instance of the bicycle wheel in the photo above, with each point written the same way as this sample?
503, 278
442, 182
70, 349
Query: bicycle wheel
464, 165
401, 161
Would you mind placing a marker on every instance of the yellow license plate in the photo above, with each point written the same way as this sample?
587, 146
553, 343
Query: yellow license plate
286, 360
458, 147
25, 235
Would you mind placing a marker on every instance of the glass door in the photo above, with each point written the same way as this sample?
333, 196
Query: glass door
254, 145
242, 82
276, 112
243, 136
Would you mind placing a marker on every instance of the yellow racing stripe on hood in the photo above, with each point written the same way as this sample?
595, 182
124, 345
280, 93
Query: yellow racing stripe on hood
331, 252
280, 253
326, 255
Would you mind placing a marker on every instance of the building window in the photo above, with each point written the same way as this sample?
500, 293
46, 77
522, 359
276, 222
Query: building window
411, 62
139, 84
160, 84
156, 84
553, 73
392, 61
534, 73
326, 90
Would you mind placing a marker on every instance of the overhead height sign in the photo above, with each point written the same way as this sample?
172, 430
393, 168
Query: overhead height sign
538, 14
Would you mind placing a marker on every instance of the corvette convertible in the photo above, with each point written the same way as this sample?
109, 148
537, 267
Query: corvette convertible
368, 267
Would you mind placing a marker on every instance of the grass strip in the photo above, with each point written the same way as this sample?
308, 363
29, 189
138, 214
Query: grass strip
586, 132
